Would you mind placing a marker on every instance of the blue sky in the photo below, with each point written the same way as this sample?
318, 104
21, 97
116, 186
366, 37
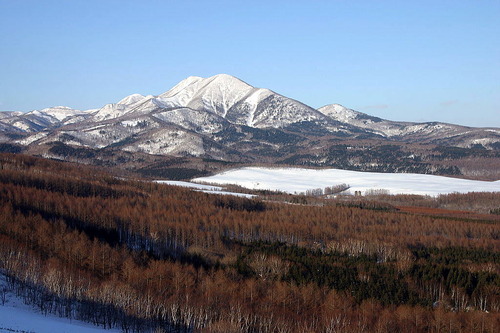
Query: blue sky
400, 60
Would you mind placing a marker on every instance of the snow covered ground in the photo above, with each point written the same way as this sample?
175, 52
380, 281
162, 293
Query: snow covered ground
15, 316
204, 188
190, 185
296, 180
236, 194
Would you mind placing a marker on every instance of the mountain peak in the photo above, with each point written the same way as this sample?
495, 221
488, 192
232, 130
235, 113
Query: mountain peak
189, 81
338, 112
58, 108
199, 82
217, 93
131, 99
225, 78
220, 104
57, 112
229, 83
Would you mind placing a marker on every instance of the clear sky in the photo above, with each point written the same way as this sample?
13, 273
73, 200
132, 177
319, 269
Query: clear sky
399, 60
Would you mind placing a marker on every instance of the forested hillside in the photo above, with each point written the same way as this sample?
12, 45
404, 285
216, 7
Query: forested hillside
147, 257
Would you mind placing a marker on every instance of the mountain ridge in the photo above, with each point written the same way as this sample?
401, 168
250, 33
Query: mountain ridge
170, 98
225, 118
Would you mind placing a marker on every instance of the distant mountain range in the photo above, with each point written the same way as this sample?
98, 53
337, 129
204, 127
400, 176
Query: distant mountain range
224, 118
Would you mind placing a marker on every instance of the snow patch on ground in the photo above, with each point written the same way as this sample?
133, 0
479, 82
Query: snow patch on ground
15, 316
243, 195
296, 180
204, 188
190, 185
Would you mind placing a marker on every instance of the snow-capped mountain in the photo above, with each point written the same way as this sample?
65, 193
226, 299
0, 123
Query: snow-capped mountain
222, 95
238, 102
224, 118
38, 120
453, 135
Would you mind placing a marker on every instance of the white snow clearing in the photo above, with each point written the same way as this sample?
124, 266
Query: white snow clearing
190, 185
204, 188
244, 195
296, 180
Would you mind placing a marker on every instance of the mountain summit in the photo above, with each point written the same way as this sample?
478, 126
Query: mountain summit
225, 118
222, 95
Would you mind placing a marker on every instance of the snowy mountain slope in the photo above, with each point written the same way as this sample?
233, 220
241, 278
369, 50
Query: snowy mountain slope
168, 141
216, 94
9, 114
440, 133
163, 132
194, 120
124, 106
203, 106
131, 99
222, 95
223, 117
177, 141
6, 127
59, 113
239, 102
38, 120
95, 135
29, 122
263, 108
361, 120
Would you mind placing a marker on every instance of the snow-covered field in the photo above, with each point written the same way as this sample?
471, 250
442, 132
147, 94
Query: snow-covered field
204, 188
15, 316
296, 180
